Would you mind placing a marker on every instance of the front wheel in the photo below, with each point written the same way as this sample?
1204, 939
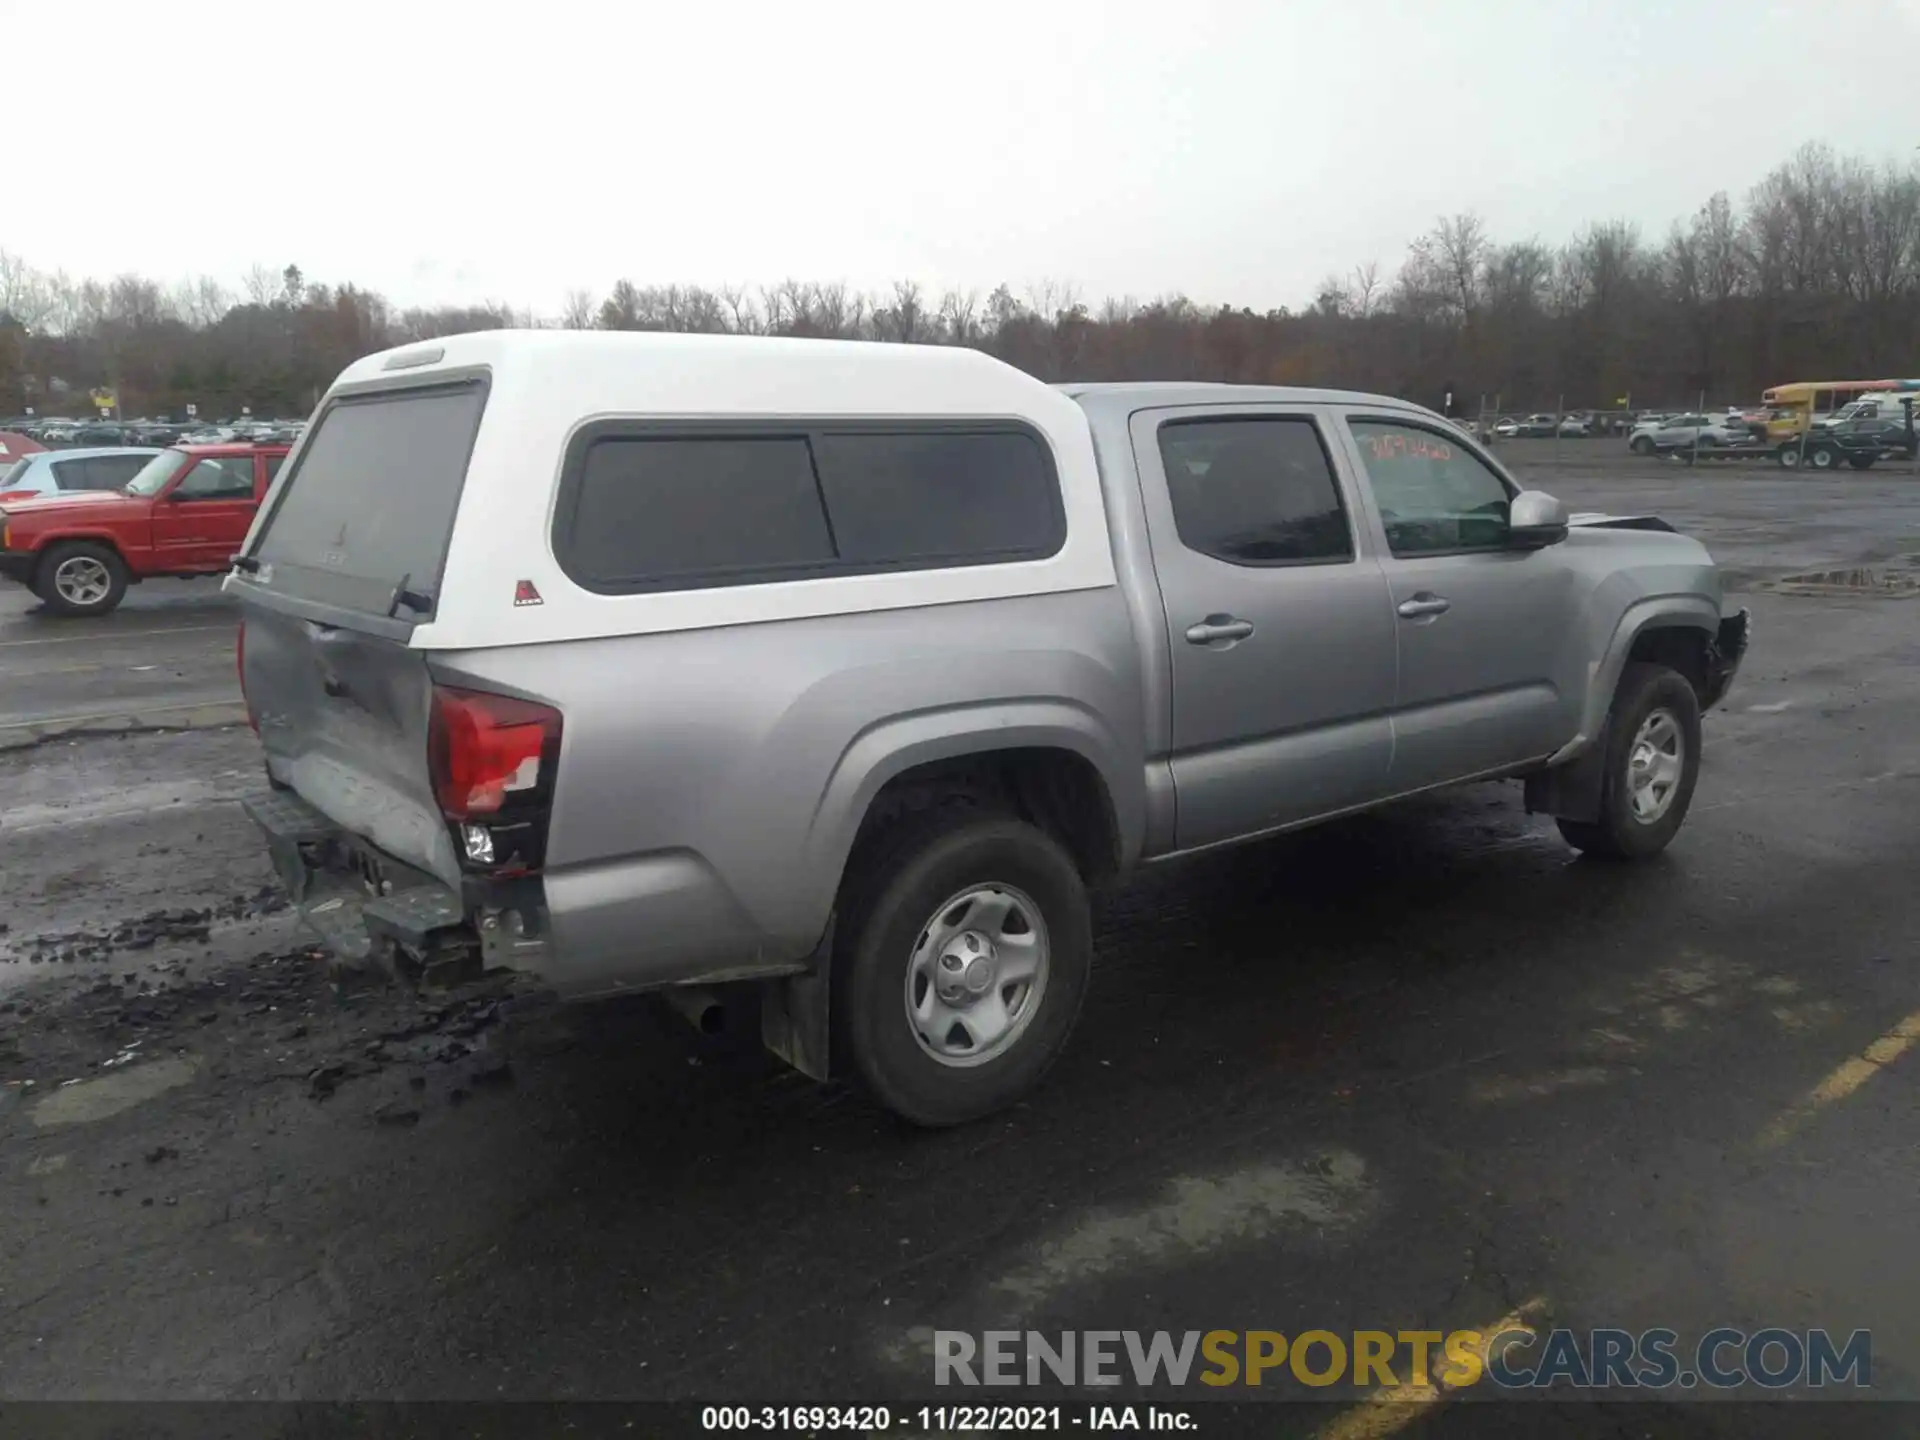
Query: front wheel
962, 959
1862, 462
80, 578
1652, 763
1641, 445
1822, 457
1790, 456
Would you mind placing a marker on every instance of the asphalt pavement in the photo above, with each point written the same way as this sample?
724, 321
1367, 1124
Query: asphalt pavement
1421, 1070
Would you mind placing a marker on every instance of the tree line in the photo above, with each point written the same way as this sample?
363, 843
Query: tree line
1815, 274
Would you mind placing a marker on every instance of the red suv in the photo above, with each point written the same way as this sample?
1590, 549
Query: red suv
184, 514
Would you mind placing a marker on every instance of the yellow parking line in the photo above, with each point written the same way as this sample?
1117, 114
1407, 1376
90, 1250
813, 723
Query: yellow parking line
105, 636
1846, 1079
1391, 1409
134, 714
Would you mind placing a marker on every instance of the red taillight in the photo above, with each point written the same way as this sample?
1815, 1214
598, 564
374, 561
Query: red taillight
6, 495
240, 666
491, 752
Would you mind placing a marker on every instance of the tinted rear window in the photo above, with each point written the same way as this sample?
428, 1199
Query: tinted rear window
111, 472
644, 511
1254, 491
371, 504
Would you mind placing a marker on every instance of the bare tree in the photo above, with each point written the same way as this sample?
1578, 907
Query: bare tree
260, 285
1363, 291
579, 310
960, 317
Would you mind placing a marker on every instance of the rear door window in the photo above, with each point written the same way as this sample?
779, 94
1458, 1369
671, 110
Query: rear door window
370, 507
1254, 491
228, 477
111, 472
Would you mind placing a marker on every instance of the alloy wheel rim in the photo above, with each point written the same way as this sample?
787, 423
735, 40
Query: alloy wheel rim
977, 975
1656, 761
82, 580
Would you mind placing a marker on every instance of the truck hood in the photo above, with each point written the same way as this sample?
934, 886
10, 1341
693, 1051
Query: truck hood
1596, 520
64, 500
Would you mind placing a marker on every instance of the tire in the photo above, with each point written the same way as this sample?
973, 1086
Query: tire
1624, 831
959, 865
1861, 462
1641, 445
1789, 455
1822, 457
80, 578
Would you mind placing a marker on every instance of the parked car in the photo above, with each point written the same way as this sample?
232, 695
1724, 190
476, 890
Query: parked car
183, 513
1506, 428
1640, 438
15, 444
840, 782
58, 432
160, 433
1576, 426
1691, 432
51, 472
1539, 427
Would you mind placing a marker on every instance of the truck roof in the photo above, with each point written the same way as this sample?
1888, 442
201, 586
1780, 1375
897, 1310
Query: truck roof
229, 447
591, 371
1134, 394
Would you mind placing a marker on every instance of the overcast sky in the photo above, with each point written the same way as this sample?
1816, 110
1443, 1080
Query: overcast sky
1231, 151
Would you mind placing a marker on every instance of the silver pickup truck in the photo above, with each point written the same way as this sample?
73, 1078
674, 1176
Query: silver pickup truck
845, 672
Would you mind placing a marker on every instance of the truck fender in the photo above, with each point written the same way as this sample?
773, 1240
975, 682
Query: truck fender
795, 1011
891, 747
1691, 611
1569, 788
92, 537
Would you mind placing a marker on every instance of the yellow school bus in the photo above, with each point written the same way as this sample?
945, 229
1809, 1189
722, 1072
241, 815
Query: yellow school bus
1794, 409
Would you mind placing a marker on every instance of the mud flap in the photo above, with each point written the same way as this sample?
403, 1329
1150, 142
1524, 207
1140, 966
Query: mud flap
1571, 791
794, 1018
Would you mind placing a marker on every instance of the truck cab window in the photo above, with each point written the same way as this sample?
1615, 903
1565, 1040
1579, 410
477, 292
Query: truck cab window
1434, 495
1254, 491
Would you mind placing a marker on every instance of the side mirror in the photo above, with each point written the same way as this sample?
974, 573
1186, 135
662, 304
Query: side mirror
1535, 521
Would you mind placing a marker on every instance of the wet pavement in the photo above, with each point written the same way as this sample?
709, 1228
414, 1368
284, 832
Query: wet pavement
1415, 1071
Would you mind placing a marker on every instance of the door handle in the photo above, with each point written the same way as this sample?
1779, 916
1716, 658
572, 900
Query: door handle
1425, 603
1218, 627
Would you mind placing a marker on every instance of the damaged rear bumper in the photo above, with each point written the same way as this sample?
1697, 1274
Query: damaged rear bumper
376, 912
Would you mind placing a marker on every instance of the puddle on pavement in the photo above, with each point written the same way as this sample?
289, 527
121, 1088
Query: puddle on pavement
1195, 1217
85, 1101
1886, 584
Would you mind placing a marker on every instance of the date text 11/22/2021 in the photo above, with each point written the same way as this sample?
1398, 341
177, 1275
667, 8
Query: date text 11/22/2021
943, 1419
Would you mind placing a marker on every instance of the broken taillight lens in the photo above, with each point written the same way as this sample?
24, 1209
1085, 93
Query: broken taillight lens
491, 754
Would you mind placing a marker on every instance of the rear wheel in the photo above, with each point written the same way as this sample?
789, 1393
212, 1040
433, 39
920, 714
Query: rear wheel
1651, 766
81, 577
1862, 462
1823, 457
963, 954
1789, 455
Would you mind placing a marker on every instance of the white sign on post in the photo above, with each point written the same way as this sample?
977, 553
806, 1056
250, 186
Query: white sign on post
192, 411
